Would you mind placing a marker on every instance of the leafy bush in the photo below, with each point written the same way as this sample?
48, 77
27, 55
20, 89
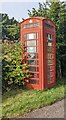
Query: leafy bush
14, 72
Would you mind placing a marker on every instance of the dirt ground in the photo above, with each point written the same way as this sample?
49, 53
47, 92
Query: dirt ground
55, 110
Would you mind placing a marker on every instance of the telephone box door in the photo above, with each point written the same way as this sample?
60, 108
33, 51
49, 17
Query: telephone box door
50, 59
32, 48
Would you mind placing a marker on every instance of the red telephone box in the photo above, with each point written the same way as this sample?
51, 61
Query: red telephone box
39, 37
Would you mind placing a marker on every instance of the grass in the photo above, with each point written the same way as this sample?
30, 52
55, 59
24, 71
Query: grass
19, 101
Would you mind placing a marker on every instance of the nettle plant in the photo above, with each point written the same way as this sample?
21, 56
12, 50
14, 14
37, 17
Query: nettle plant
14, 72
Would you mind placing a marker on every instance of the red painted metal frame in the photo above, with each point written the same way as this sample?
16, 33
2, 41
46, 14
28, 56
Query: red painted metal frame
42, 49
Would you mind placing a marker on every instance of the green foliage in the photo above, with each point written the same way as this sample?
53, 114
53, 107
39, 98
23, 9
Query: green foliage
10, 27
14, 72
42, 11
55, 11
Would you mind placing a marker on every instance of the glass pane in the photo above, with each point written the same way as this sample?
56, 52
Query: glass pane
32, 62
31, 49
34, 75
48, 78
34, 81
31, 25
49, 61
49, 56
49, 26
48, 67
31, 43
49, 36
32, 69
32, 56
49, 49
49, 43
31, 36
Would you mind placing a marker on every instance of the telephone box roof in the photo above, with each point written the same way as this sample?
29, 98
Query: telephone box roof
40, 18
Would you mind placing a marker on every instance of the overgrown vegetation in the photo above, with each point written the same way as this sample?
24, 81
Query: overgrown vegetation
18, 101
13, 71
56, 11
10, 27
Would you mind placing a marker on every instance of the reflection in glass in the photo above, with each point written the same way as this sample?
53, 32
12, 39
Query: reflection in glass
31, 49
49, 55
49, 49
32, 62
31, 43
31, 25
32, 56
48, 67
32, 69
34, 81
34, 75
31, 36
49, 43
49, 36
48, 75
49, 61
